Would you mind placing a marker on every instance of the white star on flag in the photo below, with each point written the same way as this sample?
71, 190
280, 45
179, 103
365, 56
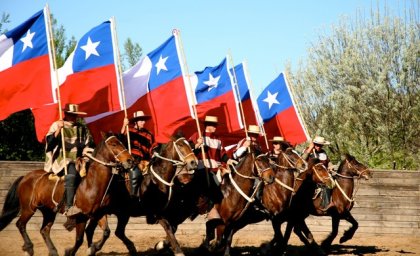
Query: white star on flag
212, 82
90, 48
161, 64
27, 40
271, 99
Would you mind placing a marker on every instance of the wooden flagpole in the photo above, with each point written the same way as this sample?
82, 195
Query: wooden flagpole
51, 42
237, 92
177, 35
255, 104
120, 79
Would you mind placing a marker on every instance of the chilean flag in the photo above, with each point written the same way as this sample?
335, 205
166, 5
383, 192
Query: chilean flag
156, 86
279, 114
215, 96
89, 77
25, 66
249, 109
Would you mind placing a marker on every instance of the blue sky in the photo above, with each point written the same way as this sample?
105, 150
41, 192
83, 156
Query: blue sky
267, 34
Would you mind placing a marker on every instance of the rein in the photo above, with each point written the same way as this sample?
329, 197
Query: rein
180, 165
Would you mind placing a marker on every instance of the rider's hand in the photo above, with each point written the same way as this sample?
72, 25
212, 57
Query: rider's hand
199, 142
232, 162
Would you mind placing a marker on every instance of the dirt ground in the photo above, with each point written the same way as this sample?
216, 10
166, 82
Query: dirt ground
244, 243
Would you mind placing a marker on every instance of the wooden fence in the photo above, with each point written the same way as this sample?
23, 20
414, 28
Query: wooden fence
387, 204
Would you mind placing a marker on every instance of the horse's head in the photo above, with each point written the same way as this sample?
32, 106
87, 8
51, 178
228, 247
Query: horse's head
289, 158
319, 173
112, 150
182, 153
353, 168
264, 169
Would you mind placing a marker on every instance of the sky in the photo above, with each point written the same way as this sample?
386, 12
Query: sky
265, 34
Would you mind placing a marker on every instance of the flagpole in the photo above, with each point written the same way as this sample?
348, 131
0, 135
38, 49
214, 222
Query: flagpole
298, 110
120, 79
237, 92
51, 39
251, 95
177, 34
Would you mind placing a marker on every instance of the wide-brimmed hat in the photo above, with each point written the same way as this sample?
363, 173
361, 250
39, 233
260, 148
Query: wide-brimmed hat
211, 119
254, 129
139, 115
320, 140
277, 139
73, 109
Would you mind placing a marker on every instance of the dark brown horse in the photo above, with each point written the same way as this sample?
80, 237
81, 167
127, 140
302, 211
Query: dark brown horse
277, 196
36, 191
342, 199
160, 201
239, 191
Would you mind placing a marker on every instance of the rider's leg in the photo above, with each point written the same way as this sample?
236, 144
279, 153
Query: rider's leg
134, 176
70, 188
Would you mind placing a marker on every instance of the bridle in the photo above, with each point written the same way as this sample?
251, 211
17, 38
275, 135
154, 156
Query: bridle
180, 166
112, 164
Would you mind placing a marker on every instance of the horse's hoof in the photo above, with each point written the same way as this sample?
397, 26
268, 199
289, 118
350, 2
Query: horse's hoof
90, 251
179, 254
161, 245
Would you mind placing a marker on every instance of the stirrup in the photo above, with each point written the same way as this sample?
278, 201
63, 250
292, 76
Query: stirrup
72, 211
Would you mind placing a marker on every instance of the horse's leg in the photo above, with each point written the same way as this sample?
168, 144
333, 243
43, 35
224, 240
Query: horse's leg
228, 240
48, 221
335, 220
81, 221
348, 234
287, 233
90, 229
25, 216
176, 248
278, 238
120, 233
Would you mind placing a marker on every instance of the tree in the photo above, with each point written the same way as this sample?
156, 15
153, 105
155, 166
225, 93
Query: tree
360, 87
132, 54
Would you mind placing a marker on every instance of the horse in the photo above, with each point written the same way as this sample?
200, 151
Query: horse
342, 202
36, 191
277, 196
239, 190
160, 201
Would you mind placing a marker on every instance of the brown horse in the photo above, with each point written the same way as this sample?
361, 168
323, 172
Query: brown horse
36, 191
277, 196
239, 191
160, 201
342, 199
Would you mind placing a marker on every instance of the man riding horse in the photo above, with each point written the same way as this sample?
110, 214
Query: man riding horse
77, 141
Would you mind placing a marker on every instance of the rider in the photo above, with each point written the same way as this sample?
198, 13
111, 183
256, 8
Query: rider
315, 150
141, 141
215, 155
245, 143
78, 141
279, 145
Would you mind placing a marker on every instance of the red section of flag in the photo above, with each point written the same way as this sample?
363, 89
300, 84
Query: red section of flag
25, 85
286, 124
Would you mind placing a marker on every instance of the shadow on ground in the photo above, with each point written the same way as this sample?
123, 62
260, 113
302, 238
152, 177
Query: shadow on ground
291, 251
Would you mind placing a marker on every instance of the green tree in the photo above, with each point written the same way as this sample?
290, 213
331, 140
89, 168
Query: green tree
360, 87
132, 53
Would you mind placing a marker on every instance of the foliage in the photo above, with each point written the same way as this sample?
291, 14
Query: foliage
133, 52
360, 88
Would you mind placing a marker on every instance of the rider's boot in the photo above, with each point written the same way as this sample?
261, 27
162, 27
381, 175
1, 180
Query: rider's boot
134, 177
70, 189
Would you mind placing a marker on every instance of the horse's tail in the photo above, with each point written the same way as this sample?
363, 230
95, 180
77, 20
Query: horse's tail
11, 205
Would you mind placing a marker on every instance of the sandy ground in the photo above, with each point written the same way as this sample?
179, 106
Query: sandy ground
245, 243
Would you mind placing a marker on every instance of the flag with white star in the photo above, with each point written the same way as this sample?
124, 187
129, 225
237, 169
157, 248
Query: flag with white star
90, 73
215, 96
279, 114
155, 85
25, 66
89, 77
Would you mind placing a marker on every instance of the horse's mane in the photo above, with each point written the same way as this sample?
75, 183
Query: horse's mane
101, 144
344, 157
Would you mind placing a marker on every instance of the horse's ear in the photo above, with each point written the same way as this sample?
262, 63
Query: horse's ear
345, 156
103, 135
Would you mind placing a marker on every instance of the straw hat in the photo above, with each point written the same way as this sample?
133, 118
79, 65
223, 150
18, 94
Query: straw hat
320, 140
139, 115
73, 109
210, 119
255, 129
277, 139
